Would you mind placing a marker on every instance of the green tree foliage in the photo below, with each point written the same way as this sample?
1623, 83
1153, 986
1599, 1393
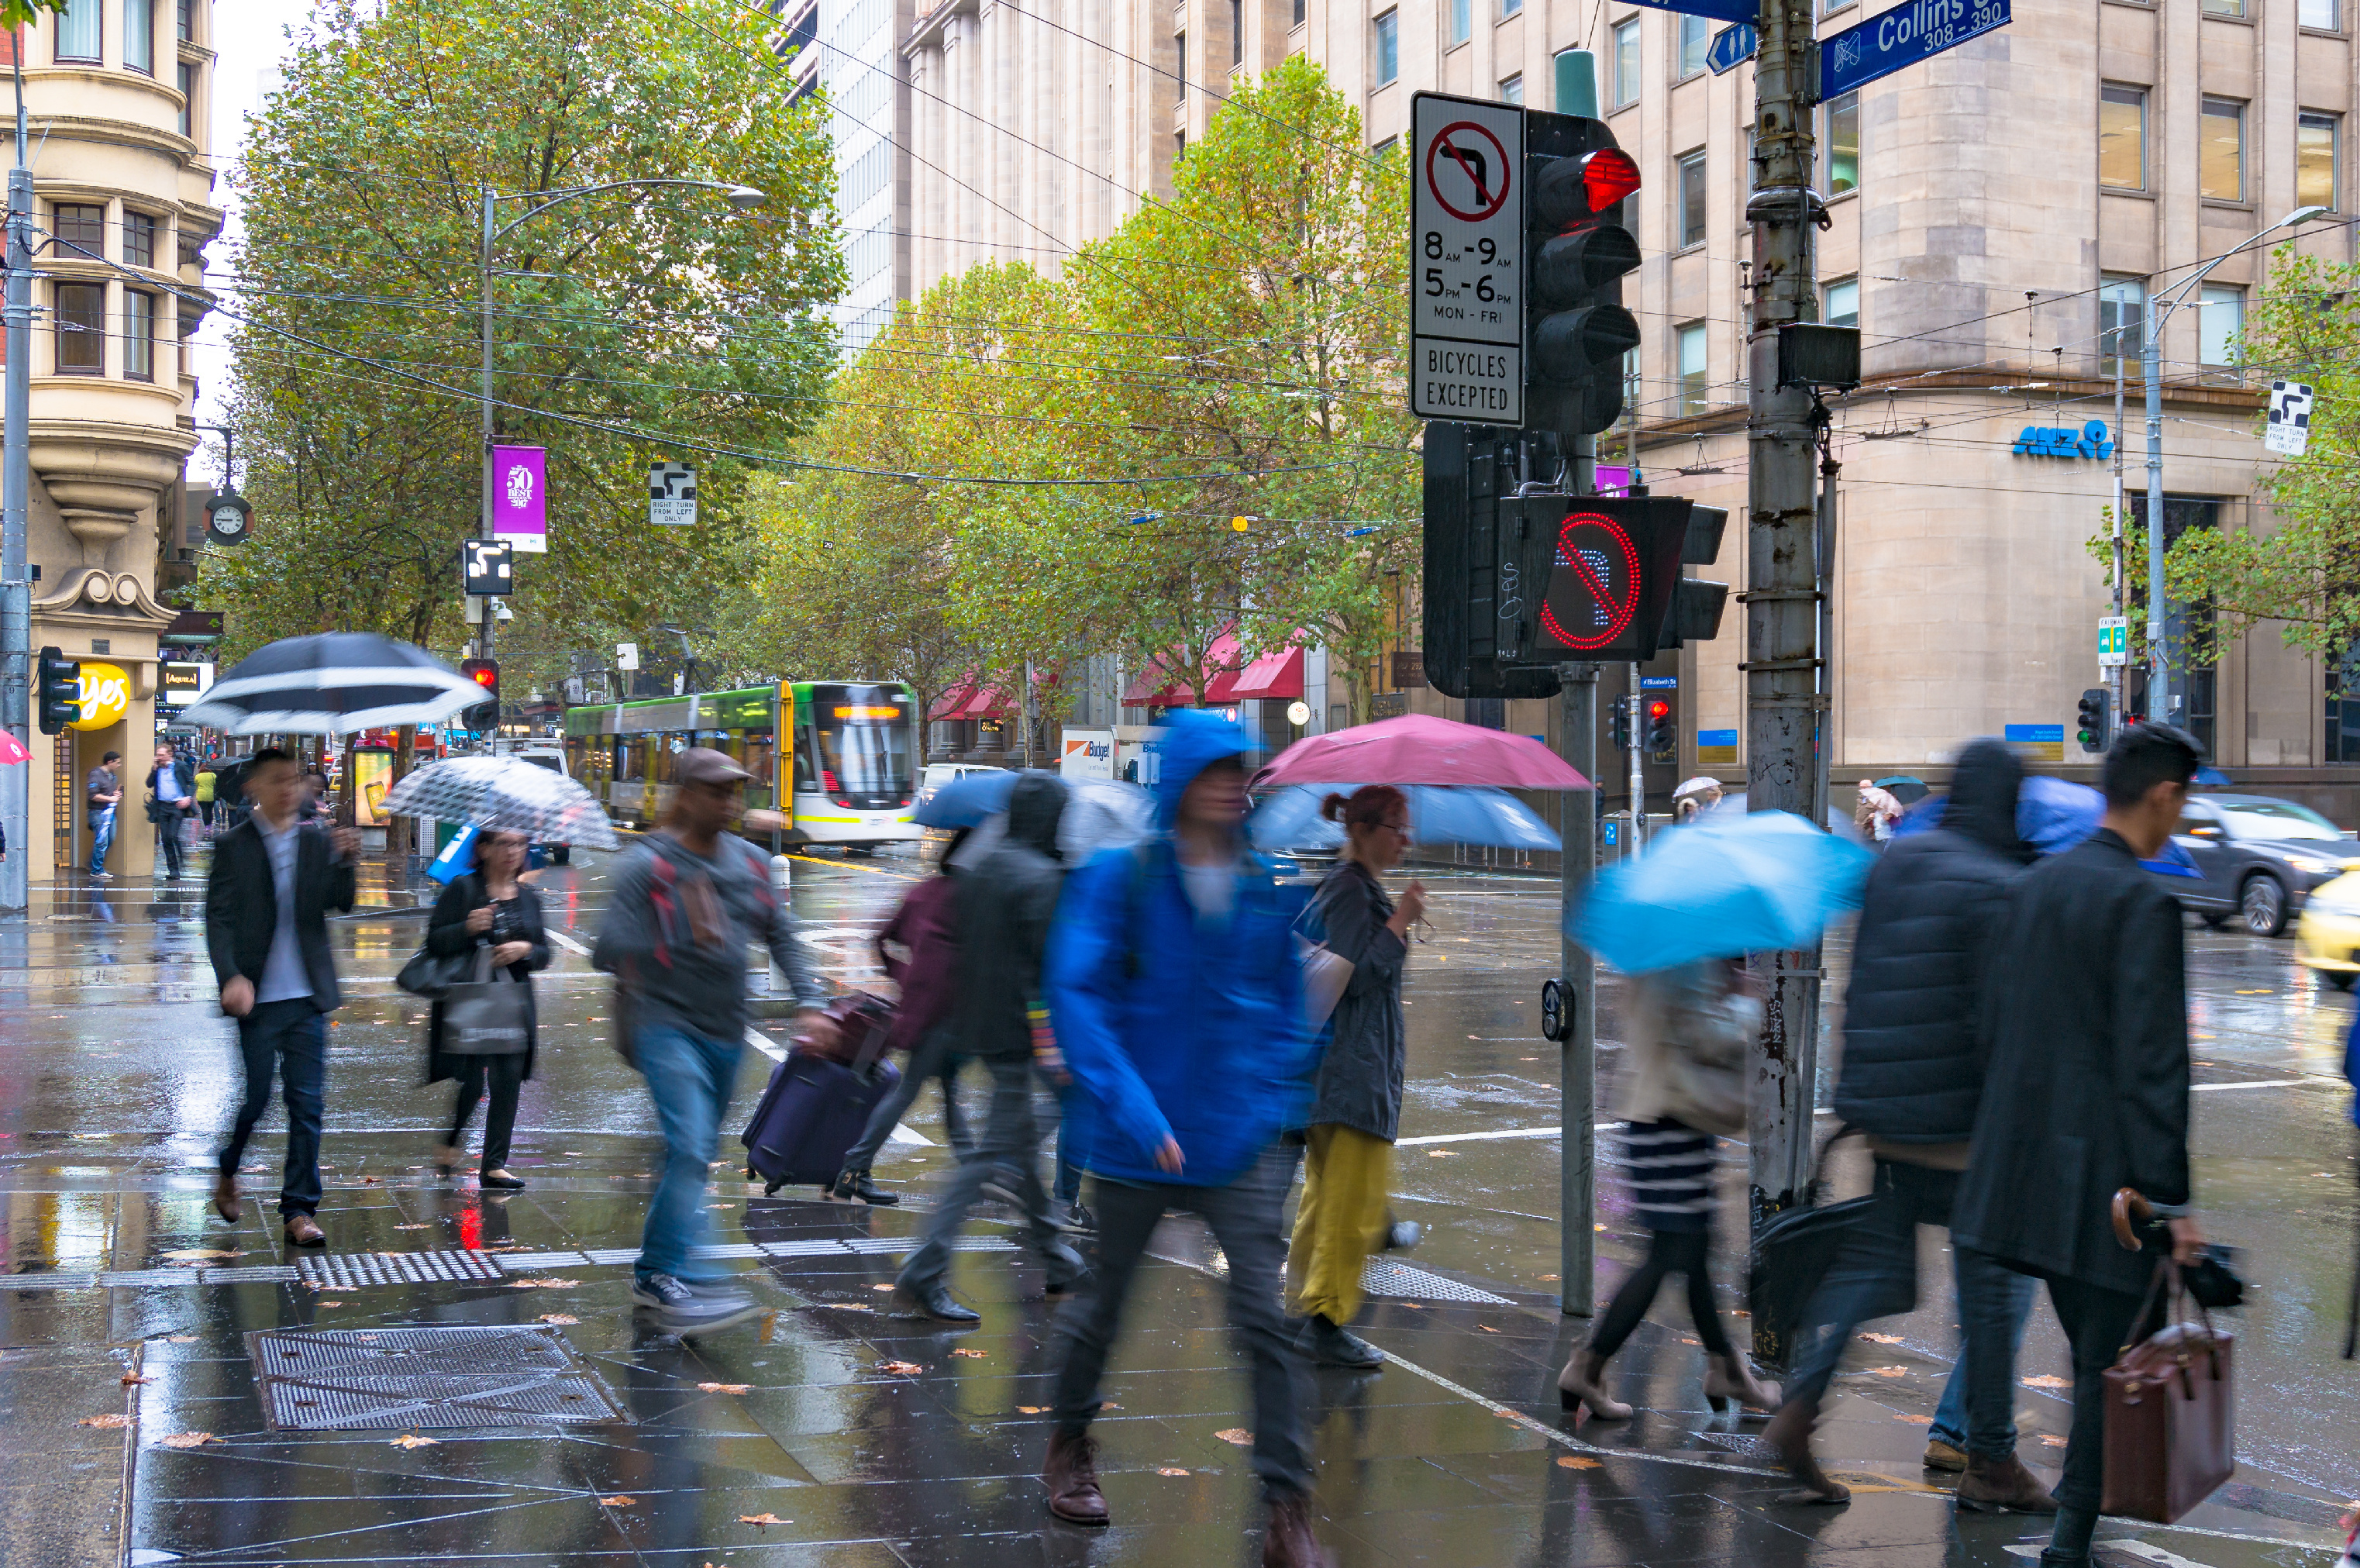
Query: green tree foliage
24, 12
621, 319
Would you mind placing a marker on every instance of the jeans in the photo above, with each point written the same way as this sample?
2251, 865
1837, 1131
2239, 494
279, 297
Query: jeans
168, 841
1950, 1415
1245, 1217
292, 1037
2098, 1322
930, 1058
102, 838
504, 1076
1011, 1141
1668, 1253
690, 1079
1876, 1275
1068, 1188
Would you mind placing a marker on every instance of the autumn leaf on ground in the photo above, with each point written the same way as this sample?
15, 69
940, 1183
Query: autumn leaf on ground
331, 1303
411, 1227
973, 1355
617, 1501
2050, 1440
726, 1387
2046, 1380
199, 1253
1238, 1435
1916, 1420
110, 1422
881, 1288
1109, 1405
412, 1439
1574, 1461
1882, 1339
560, 1318
133, 1379
1032, 1410
179, 1339
1888, 1371
762, 1521
190, 1440
1169, 1470
900, 1368
544, 1284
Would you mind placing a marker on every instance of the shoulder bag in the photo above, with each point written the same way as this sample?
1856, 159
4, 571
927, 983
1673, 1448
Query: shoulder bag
1794, 1251
488, 1015
430, 974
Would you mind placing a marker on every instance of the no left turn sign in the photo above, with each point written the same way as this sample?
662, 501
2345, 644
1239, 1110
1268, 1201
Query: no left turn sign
1467, 260
1467, 169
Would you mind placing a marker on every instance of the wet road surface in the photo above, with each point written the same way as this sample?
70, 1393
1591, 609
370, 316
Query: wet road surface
133, 1324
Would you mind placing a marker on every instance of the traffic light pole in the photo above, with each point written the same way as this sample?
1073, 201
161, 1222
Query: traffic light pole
1578, 1066
1638, 763
1783, 591
15, 495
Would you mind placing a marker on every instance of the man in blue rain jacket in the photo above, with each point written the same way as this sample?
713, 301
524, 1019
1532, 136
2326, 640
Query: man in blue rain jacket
1175, 996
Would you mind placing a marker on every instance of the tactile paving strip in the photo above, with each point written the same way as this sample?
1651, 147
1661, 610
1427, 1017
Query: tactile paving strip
350, 1270
506, 1375
1382, 1277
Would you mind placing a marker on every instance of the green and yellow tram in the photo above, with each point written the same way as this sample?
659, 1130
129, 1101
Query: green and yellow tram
852, 751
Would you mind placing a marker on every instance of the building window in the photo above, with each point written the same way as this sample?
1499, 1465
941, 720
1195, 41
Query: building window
2122, 323
138, 239
138, 336
2224, 8
2324, 15
82, 229
2220, 150
81, 329
2122, 136
1692, 199
1384, 147
1510, 7
1237, 32
1462, 20
1843, 303
1180, 51
2220, 317
140, 35
1512, 89
1841, 136
1388, 47
1302, 8
188, 97
81, 33
2314, 160
1696, 381
1179, 146
1626, 62
188, 27
1696, 39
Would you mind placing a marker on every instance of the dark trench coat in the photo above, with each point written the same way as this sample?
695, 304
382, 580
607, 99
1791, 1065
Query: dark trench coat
1360, 1075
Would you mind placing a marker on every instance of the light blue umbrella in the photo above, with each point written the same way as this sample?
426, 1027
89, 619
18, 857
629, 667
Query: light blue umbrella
1725, 886
1290, 820
963, 802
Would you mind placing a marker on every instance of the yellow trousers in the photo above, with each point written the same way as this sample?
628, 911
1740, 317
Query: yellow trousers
1340, 1222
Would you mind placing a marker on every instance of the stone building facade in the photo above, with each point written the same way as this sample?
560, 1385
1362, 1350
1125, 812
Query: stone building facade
118, 95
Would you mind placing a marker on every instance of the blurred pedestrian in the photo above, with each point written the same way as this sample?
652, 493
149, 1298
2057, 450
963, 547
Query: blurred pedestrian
208, 776
1005, 902
1177, 998
925, 930
315, 796
688, 901
1682, 1081
274, 883
1916, 1035
102, 794
171, 799
1357, 1098
2087, 1093
1877, 812
487, 906
1694, 797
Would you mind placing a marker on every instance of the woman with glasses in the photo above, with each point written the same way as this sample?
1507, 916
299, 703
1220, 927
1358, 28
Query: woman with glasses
1356, 1107
487, 906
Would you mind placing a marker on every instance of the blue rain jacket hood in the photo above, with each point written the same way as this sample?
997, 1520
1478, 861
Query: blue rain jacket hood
1175, 1025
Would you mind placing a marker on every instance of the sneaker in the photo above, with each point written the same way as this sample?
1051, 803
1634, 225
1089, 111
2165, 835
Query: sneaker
660, 1290
690, 1311
103, 876
1078, 1220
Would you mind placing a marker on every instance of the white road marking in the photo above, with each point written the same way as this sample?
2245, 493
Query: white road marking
1488, 1137
568, 943
2262, 1083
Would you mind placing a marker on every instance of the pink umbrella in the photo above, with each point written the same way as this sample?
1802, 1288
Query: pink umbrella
12, 750
1421, 750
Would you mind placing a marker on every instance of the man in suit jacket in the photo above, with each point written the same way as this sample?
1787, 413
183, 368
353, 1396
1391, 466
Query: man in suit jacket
275, 881
172, 795
2088, 1093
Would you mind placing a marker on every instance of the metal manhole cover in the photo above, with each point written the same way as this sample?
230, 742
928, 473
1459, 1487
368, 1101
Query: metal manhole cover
351, 1270
408, 1378
1385, 1277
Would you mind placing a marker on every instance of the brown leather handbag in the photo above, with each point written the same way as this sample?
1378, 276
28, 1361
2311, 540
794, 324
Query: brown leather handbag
2171, 1421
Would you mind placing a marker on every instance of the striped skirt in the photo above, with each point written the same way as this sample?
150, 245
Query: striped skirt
1671, 1175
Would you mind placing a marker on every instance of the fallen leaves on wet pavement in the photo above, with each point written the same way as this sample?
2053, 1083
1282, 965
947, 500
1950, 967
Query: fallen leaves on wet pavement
1238, 1435
190, 1440
109, 1423
412, 1439
726, 1387
900, 1368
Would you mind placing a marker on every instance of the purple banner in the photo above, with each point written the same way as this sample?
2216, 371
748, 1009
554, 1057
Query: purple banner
521, 498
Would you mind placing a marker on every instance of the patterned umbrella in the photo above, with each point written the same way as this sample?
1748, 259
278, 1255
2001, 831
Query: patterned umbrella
332, 683
507, 795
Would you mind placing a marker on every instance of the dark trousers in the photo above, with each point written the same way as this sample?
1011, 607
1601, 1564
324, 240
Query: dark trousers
1668, 1252
1876, 1275
1246, 1217
505, 1075
1011, 1141
168, 839
290, 1037
2098, 1322
930, 1058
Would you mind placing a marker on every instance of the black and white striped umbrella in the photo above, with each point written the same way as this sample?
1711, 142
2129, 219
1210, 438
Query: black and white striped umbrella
508, 794
332, 683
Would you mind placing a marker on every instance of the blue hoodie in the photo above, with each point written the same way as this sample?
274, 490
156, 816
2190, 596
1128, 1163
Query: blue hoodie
1200, 1039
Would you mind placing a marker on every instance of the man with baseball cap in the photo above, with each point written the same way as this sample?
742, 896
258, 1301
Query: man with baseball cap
687, 902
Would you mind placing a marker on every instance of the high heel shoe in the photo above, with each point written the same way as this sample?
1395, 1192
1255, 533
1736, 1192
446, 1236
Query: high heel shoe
1729, 1377
1581, 1383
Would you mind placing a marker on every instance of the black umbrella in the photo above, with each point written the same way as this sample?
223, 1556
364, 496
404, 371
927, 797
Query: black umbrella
333, 683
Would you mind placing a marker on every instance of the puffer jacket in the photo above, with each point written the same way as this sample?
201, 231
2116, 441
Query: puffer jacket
1917, 1022
1004, 904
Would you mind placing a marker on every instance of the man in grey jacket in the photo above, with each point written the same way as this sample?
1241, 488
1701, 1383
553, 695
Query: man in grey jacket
686, 904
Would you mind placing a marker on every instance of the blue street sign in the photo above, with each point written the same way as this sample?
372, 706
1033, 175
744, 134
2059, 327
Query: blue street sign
1732, 47
1660, 683
1719, 10
1902, 37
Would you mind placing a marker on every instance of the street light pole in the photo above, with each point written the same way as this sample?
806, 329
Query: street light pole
16, 495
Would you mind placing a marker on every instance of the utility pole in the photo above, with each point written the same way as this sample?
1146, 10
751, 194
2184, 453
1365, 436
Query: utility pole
1783, 588
2116, 673
484, 529
16, 497
1577, 1063
1638, 765
2158, 680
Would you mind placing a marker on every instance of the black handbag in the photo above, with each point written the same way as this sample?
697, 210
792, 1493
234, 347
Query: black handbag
489, 1014
430, 974
1795, 1251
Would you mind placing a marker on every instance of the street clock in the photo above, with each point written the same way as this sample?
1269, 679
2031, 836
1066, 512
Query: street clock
228, 519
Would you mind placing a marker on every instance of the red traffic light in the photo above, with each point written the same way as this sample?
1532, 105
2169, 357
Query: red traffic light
484, 673
1607, 176
1659, 710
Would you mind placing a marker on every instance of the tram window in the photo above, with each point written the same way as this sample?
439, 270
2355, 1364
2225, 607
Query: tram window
758, 761
806, 778
630, 761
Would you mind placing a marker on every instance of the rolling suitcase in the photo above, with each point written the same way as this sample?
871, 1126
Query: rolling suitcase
811, 1112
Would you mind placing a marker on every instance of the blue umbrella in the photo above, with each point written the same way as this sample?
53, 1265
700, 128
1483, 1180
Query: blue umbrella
1290, 820
1725, 886
963, 802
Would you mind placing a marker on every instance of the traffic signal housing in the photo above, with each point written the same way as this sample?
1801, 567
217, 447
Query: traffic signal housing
2096, 720
484, 673
1576, 330
59, 692
1663, 732
1618, 724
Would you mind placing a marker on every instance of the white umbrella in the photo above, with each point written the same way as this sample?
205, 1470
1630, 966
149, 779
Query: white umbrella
333, 682
506, 795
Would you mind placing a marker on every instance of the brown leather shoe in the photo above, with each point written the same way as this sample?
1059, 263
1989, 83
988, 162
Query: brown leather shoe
1071, 1473
304, 1230
1288, 1541
225, 1202
1940, 1455
1994, 1485
1790, 1436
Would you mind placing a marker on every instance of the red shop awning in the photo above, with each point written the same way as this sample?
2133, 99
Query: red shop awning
1274, 675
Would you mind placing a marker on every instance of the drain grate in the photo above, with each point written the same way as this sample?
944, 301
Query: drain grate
350, 1270
1382, 1277
1739, 1442
519, 1376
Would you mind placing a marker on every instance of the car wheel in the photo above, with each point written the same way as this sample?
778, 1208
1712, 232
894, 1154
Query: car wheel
2263, 903
561, 854
2341, 979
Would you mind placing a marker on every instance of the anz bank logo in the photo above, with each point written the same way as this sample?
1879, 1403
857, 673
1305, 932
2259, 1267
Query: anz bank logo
2047, 440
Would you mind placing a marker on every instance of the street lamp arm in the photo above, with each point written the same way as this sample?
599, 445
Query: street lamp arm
743, 197
2295, 219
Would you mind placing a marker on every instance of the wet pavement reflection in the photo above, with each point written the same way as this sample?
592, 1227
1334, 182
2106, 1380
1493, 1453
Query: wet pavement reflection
136, 1429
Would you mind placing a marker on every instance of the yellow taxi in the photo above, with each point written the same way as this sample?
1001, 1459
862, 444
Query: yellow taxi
2327, 938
